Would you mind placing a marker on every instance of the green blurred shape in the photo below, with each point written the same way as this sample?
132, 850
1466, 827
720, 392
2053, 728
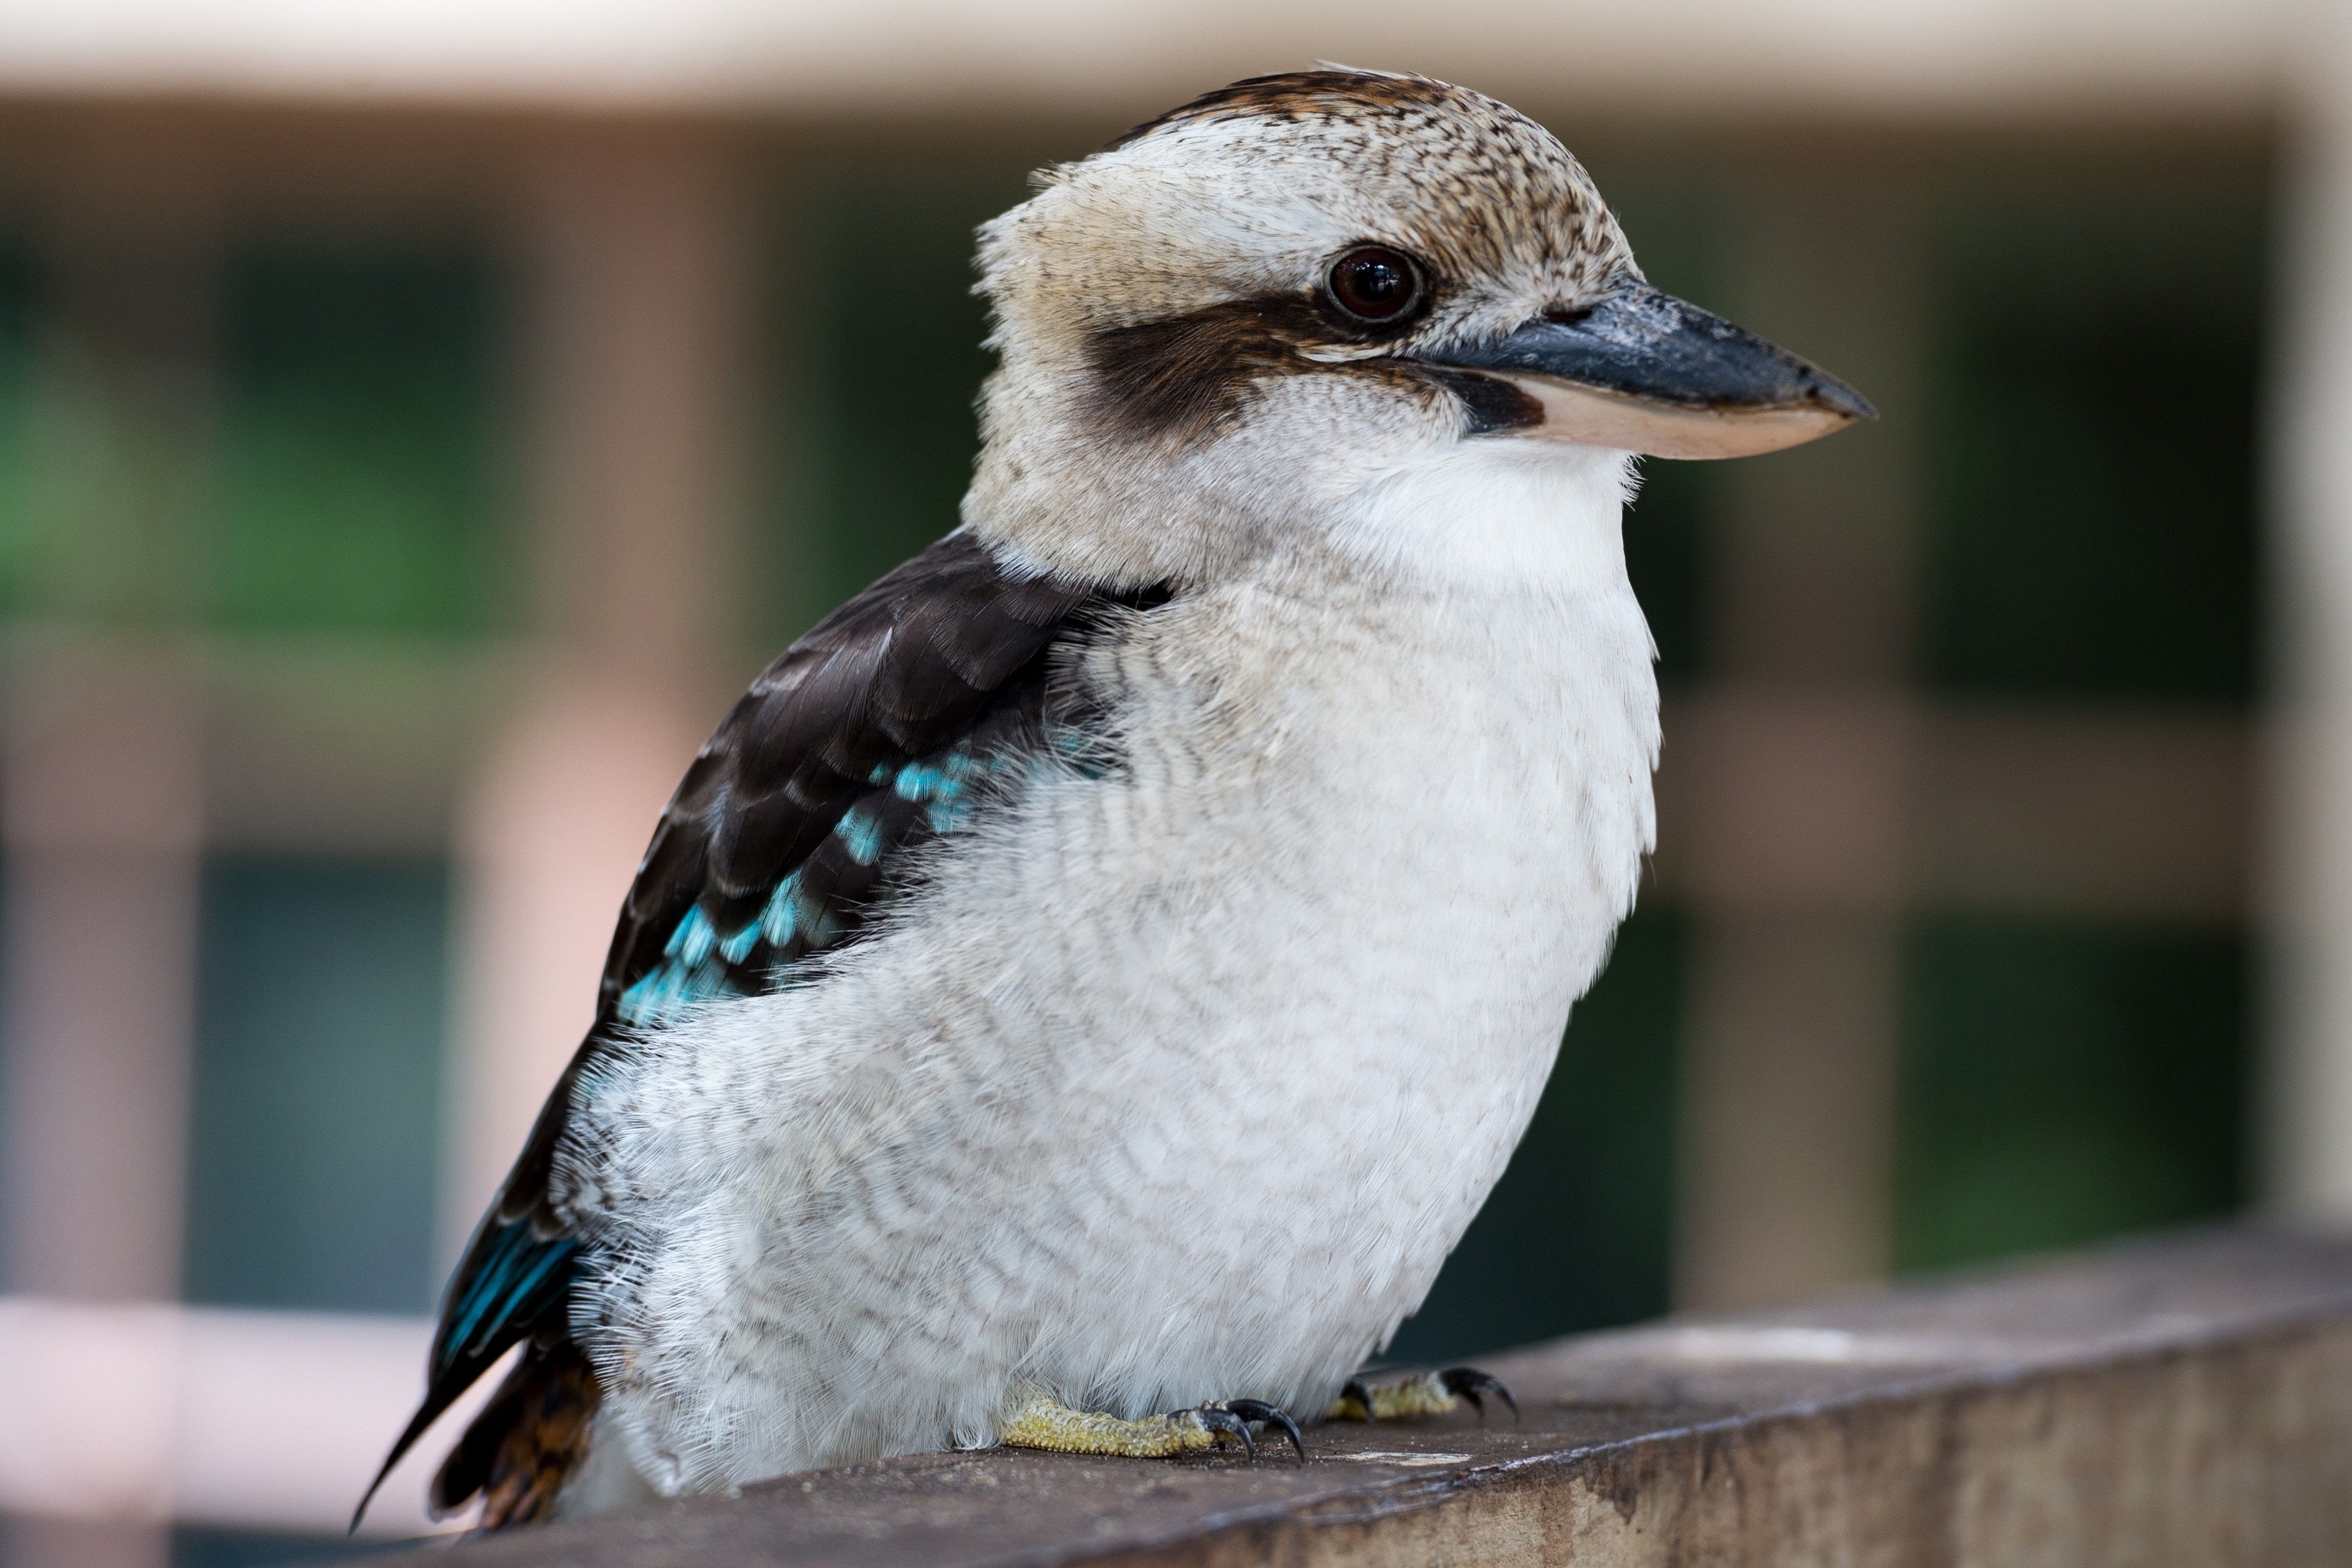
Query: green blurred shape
2091, 438
1665, 557
357, 471
2065, 1083
315, 1130
1578, 1233
877, 347
101, 454
16, 528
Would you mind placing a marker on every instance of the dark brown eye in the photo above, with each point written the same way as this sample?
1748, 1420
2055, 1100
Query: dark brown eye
1374, 283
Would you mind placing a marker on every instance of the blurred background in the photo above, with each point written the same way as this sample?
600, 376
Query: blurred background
418, 422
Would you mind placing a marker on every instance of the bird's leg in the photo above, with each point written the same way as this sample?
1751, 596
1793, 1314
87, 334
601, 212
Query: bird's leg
1427, 1394
1044, 1424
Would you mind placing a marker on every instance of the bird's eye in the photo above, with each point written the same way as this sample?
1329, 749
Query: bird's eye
1373, 283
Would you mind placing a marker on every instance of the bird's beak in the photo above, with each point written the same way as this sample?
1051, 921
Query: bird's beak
1642, 372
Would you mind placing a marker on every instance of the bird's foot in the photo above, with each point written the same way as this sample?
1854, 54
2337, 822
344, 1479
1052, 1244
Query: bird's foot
1042, 1424
1429, 1393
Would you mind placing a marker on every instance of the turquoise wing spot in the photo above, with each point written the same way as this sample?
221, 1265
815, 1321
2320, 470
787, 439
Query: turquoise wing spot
942, 788
861, 834
738, 948
669, 989
924, 780
691, 943
782, 917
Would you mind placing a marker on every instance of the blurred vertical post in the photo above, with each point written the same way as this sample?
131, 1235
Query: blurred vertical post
103, 776
633, 260
100, 947
1802, 748
99, 929
2310, 860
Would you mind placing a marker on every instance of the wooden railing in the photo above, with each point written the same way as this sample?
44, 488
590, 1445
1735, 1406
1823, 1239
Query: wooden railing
2186, 1401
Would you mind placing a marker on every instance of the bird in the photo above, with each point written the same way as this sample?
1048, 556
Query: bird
1086, 986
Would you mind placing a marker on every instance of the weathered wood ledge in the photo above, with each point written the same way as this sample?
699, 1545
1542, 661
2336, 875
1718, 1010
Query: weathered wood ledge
2185, 1399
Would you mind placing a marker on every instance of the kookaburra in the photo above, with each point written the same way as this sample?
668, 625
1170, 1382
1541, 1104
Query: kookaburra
1086, 985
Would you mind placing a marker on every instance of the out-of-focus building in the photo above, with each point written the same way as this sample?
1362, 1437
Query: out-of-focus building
417, 421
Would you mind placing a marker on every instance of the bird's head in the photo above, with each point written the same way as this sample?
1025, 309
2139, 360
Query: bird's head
1248, 311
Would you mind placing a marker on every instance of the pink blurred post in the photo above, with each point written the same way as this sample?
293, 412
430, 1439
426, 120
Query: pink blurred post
634, 255
102, 826
99, 948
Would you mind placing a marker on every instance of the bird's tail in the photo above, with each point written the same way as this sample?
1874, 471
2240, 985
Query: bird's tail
530, 1437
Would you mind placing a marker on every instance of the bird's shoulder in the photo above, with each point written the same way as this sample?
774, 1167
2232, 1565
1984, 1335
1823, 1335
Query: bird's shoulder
883, 726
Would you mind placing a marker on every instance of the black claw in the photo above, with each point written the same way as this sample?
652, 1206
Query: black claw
1259, 1410
1468, 1382
1360, 1394
1218, 1419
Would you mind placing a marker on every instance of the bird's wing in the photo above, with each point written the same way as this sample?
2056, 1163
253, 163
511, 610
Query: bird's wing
881, 728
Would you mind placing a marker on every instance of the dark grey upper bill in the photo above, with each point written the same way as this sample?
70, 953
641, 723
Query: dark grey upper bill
1642, 343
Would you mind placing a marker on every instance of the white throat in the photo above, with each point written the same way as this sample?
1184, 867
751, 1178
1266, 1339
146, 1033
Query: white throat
1496, 514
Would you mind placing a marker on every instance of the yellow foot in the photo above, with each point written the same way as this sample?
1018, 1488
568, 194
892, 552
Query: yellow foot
1430, 1394
1042, 1424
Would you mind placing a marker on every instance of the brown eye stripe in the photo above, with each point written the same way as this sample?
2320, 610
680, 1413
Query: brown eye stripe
1182, 377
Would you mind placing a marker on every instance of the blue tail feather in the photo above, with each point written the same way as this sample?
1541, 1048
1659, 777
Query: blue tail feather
515, 1279
511, 1278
